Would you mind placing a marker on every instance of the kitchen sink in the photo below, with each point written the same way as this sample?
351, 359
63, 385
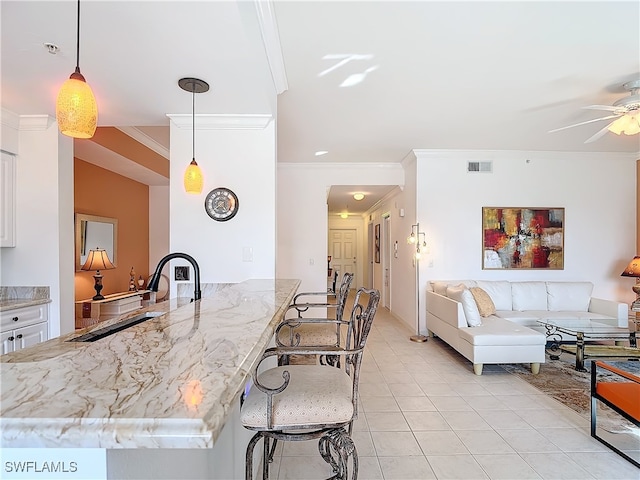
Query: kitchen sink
116, 327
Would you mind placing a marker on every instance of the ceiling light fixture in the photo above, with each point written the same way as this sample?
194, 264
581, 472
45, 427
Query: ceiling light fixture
629, 124
193, 180
76, 107
358, 196
344, 215
319, 153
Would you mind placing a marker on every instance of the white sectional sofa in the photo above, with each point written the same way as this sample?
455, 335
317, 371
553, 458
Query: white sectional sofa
509, 332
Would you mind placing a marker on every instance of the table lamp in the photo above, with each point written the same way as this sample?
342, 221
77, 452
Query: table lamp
97, 260
633, 270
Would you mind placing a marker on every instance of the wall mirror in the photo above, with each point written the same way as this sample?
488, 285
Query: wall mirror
95, 232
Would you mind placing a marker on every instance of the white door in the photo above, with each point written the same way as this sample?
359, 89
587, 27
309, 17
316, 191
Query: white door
342, 248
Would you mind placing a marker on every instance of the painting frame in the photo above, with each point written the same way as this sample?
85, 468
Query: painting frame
523, 238
376, 244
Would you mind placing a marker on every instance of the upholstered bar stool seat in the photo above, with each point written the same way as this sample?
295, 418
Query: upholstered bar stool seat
306, 402
315, 396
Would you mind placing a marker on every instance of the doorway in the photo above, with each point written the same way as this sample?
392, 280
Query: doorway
343, 251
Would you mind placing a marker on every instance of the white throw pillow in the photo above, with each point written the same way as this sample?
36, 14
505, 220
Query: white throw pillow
500, 293
569, 296
439, 287
529, 296
461, 294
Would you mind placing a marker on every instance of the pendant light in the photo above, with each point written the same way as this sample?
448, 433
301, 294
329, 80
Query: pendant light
193, 180
76, 108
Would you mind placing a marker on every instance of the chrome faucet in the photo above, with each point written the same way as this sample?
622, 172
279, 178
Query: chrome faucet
155, 278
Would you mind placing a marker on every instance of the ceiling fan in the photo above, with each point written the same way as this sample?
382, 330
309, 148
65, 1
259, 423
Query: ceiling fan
625, 112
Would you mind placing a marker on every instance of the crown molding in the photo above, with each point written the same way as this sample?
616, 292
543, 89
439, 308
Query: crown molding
486, 155
145, 140
271, 40
222, 121
10, 119
35, 122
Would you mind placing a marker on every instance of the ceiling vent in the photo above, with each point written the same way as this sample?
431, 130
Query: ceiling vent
479, 167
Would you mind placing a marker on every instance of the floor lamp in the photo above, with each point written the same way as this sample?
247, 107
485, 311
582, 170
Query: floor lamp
414, 239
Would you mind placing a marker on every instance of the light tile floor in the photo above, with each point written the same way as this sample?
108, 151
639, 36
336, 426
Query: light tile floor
425, 415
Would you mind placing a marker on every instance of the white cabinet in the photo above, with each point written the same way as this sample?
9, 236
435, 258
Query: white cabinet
23, 327
7, 200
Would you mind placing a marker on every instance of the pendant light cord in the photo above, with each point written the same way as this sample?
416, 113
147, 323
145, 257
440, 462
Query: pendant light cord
78, 41
193, 123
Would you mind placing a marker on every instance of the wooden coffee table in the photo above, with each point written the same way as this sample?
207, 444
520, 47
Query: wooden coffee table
586, 330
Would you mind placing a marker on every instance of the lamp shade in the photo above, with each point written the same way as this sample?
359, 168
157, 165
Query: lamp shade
633, 269
97, 260
76, 108
193, 180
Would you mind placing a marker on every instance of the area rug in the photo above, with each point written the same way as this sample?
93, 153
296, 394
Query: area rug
560, 380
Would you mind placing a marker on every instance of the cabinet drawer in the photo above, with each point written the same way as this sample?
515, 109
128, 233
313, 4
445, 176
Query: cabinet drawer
20, 317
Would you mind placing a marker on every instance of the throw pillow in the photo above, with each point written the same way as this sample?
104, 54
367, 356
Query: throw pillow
483, 301
461, 294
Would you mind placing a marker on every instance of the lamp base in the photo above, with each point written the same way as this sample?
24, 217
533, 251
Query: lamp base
418, 338
98, 286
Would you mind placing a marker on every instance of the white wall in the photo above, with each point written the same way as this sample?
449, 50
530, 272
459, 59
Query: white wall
598, 192
302, 214
44, 250
244, 161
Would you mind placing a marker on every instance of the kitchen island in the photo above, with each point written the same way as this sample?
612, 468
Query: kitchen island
171, 382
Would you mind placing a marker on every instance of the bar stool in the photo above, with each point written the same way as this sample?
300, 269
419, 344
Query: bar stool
305, 402
314, 331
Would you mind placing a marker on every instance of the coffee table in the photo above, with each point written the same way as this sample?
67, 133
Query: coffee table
585, 330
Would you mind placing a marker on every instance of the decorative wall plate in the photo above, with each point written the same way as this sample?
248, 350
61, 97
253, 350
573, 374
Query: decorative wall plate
221, 204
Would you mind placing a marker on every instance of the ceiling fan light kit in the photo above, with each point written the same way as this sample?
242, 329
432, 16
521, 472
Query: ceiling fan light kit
76, 107
624, 112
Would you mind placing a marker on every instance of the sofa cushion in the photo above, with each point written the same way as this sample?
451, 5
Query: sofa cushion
461, 294
497, 331
515, 315
440, 287
563, 296
529, 296
500, 293
483, 301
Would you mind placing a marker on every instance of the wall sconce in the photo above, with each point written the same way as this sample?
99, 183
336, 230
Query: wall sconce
414, 239
97, 260
344, 215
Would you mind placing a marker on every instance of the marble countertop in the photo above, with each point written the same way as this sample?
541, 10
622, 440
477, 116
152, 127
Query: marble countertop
168, 382
19, 297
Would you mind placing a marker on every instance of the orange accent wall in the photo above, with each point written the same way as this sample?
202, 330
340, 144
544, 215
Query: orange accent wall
101, 192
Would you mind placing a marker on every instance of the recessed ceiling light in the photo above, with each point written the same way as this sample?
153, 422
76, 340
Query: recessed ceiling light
358, 196
321, 152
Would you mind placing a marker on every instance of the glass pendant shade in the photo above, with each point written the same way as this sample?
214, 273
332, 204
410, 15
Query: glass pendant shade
76, 108
193, 180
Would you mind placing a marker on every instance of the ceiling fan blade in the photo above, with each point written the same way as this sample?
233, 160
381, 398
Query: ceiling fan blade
608, 108
599, 133
584, 123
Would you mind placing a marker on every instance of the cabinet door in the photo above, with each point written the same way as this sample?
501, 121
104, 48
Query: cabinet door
7, 200
7, 345
28, 336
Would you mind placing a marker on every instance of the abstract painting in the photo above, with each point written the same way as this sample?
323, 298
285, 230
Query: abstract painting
522, 238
